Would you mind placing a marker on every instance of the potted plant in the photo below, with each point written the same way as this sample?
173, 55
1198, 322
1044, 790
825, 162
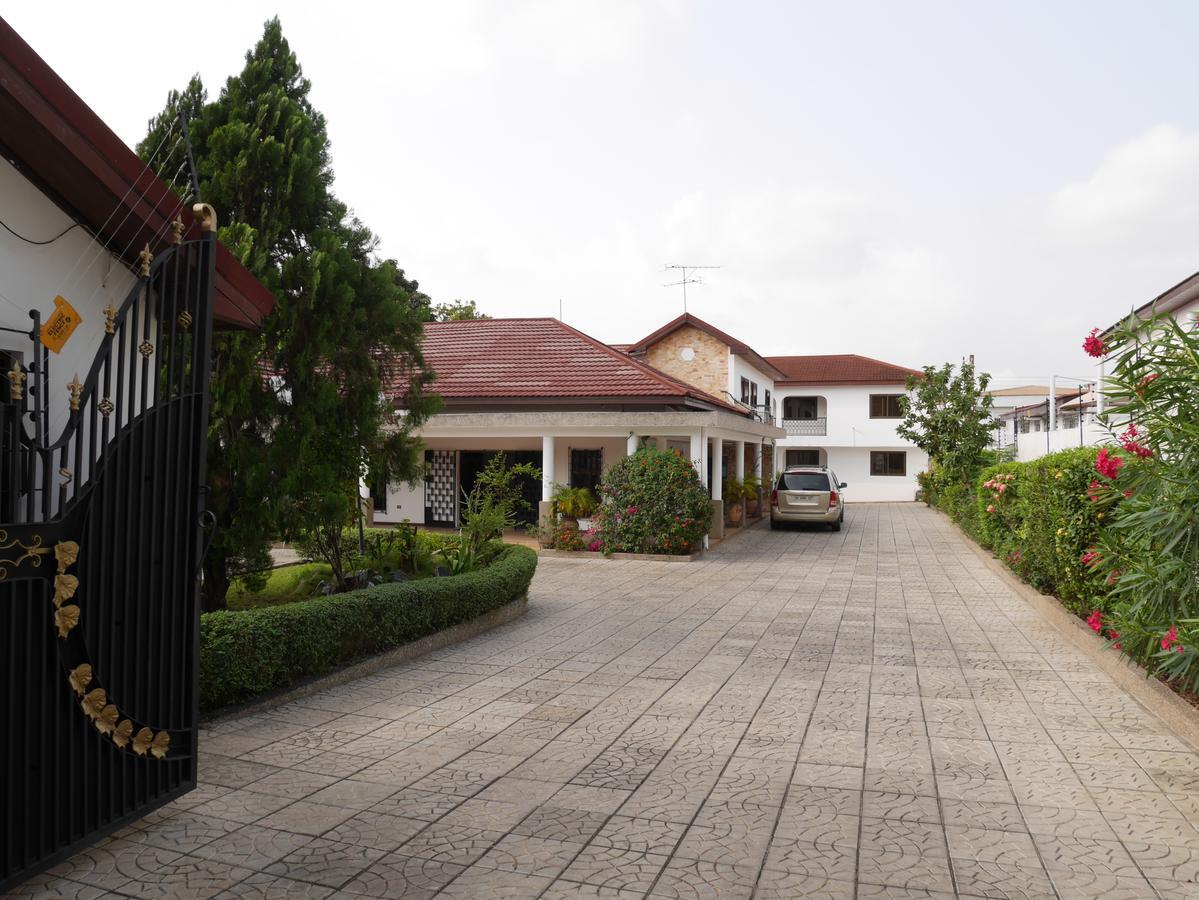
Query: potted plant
575, 505
734, 499
752, 485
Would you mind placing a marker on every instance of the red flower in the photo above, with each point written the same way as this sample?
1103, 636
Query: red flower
1095, 620
1108, 464
1170, 638
1093, 345
1145, 382
1089, 558
1128, 440
1093, 491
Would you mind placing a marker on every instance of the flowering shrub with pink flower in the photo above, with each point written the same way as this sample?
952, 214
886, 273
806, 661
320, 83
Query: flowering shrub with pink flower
1148, 549
653, 502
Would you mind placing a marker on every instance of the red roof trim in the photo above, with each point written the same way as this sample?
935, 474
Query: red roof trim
59, 141
738, 347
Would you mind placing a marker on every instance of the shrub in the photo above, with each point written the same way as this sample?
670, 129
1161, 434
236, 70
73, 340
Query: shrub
653, 502
243, 654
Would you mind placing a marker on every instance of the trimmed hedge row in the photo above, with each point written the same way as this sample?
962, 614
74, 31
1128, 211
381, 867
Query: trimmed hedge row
1038, 517
245, 653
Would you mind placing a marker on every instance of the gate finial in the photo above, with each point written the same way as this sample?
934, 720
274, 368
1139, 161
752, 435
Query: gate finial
177, 228
146, 257
76, 390
205, 215
16, 381
110, 318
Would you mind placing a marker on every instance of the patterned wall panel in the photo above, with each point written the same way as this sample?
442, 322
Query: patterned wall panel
441, 487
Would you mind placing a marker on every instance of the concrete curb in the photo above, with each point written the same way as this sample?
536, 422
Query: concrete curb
1177, 715
588, 554
462, 631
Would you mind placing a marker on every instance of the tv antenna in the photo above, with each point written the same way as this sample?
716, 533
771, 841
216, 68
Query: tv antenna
687, 276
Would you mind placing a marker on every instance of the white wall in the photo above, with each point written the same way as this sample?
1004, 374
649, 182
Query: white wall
75, 266
740, 368
850, 437
1036, 444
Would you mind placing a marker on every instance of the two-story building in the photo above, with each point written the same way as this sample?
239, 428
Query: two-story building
547, 394
841, 411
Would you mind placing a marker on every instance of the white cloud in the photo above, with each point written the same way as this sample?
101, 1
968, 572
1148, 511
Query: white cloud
1144, 193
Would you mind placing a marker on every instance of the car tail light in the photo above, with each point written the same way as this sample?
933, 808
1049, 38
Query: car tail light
833, 499
774, 498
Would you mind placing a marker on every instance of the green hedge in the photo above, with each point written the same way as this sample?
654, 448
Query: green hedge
248, 652
1040, 523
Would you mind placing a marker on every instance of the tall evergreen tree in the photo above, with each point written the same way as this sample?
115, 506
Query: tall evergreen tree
299, 408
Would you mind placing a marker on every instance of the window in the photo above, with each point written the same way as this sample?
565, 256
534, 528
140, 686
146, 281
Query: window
799, 407
803, 457
885, 406
888, 462
585, 468
803, 481
745, 391
766, 403
379, 495
753, 393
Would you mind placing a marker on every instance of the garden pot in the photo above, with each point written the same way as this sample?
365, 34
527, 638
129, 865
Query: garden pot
751, 507
734, 514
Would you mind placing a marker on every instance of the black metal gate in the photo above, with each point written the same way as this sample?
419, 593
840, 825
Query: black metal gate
99, 557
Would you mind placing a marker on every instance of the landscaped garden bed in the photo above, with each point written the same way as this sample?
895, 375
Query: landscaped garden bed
244, 653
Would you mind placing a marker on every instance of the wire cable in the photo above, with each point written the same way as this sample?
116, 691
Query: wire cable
22, 237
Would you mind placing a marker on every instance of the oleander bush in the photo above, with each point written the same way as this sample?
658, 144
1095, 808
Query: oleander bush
652, 502
248, 652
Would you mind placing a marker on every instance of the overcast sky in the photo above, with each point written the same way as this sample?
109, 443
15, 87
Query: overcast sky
913, 181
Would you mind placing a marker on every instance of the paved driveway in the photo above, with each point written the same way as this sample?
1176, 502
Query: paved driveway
802, 714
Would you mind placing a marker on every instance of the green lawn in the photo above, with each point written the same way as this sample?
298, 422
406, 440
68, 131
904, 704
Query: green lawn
284, 585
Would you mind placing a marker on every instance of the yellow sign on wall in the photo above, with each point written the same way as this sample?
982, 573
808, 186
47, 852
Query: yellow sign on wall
62, 323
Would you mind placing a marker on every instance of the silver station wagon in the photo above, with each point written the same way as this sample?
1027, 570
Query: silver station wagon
807, 494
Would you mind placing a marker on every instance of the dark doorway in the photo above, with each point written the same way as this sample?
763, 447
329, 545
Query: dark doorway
473, 461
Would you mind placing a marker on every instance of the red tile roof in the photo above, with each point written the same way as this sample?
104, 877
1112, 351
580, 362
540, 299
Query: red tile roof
538, 359
739, 347
842, 368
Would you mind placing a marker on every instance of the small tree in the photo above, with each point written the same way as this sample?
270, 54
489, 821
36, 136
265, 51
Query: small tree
653, 502
492, 504
947, 414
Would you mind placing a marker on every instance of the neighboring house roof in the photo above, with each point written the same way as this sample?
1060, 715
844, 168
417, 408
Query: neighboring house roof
1032, 390
57, 141
1182, 294
738, 347
538, 360
842, 368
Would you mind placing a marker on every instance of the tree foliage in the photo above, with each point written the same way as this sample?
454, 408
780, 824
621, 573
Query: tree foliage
456, 311
301, 408
947, 414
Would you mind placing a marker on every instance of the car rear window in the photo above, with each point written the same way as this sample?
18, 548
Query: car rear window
803, 481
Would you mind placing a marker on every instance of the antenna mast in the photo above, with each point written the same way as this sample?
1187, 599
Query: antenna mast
687, 276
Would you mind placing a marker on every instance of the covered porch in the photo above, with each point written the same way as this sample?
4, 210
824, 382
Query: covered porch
573, 449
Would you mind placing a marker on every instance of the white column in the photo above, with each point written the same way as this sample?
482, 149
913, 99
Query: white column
1100, 400
1052, 402
632, 444
739, 463
757, 453
717, 460
547, 467
697, 456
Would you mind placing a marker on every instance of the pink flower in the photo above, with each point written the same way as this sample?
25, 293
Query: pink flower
1002, 488
1145, 382
632, 511
1093, 345
1095, 620
1170, 638
1108, 464
1089, 558
990, 508
594, 546
1128, 494
1093, 491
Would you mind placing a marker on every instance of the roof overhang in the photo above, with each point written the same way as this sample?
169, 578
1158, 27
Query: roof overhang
1182, 294
716, 423
56, 141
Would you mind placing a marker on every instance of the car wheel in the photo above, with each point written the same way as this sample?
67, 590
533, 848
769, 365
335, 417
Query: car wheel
836, 526
774, 526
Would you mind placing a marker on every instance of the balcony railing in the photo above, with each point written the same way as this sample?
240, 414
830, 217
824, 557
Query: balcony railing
800, 427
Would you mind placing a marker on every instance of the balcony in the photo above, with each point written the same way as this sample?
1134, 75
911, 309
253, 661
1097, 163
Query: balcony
804, 427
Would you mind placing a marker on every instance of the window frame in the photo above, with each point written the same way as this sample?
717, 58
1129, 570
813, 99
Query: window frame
886, 454
896, 397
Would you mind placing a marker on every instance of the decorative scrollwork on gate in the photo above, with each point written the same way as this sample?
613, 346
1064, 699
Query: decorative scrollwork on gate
32, 551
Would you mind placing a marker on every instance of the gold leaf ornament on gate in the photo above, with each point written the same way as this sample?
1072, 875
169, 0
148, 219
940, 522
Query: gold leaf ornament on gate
65, 587
121, 734
65, 553
65, 619
94, 702
81, 677
106, 721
